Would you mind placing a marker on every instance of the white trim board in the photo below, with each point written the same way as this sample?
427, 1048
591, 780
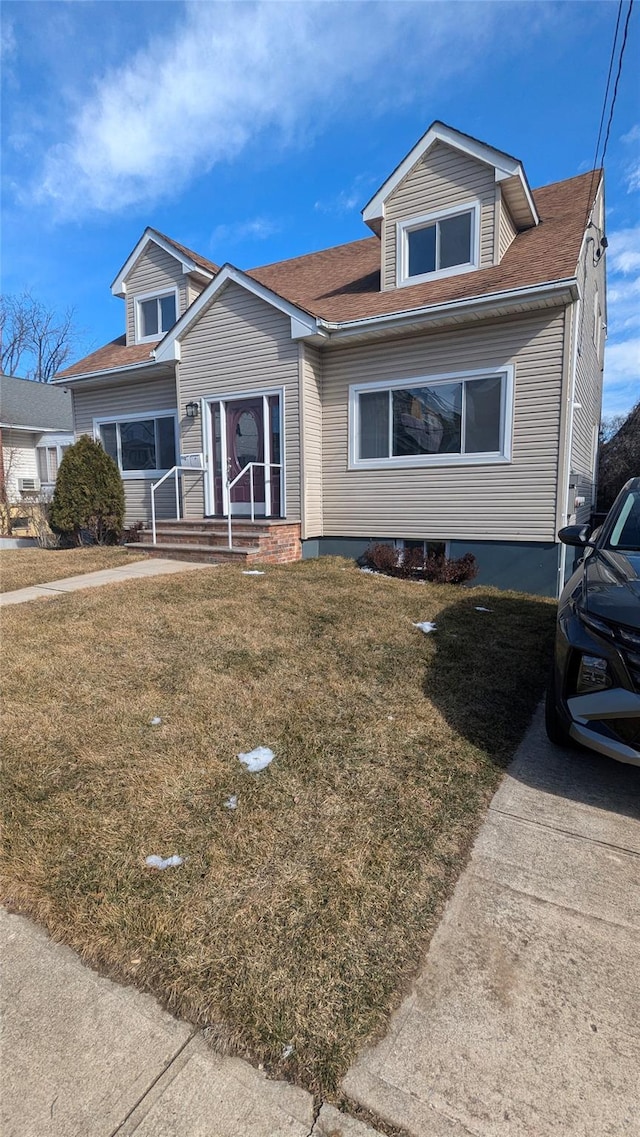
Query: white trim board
302, 323
504, 165
118, 286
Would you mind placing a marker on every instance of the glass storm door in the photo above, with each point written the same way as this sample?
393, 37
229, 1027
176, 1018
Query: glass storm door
242, 431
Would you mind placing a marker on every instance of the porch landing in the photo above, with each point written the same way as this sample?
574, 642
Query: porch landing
206, 540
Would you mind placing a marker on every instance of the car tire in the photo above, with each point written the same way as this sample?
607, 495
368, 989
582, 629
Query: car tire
556, 730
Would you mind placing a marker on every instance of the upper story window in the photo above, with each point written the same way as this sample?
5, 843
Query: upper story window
462, 418
155, 315
438, 244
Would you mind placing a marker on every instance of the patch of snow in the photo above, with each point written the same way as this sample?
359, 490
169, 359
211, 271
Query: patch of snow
287, 1051
480, 609
252, 572
156, 862
426, 626
257, 759
155, 721
231, 802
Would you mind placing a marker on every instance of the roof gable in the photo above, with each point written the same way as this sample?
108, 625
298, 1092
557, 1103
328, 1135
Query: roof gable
509, 172
189, 261
302, 323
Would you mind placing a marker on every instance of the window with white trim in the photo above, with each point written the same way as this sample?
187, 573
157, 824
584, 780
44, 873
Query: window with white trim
155, 315
462, 418
438, 244
142, 446
49, 459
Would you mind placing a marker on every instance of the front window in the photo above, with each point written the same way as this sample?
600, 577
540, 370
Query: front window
432, 421
437, 245
141, 446
156, 315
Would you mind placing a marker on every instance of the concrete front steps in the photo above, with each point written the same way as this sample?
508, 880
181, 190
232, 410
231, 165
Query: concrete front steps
206, 541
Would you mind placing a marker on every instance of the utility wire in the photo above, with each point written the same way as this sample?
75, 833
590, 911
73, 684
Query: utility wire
615, 88
604, 111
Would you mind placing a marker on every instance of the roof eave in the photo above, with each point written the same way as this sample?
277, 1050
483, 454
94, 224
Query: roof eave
106, 372
118, 285
565, 290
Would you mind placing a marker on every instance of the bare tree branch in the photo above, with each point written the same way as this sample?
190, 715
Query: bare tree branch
34, 339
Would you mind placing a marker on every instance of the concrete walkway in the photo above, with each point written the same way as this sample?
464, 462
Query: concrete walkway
526, 1018
135, 571
524, 1023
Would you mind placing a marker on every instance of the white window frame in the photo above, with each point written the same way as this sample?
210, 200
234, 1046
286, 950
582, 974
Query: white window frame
498, 457
60, 448
403, 228
139, 475
141, 298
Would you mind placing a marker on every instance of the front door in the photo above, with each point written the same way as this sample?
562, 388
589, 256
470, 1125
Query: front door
238, 432
245, 444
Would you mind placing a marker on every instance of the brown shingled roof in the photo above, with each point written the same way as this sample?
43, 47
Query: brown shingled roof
112, 355
207, 265
343, 283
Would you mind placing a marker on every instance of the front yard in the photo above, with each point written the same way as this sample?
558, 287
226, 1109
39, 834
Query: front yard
297, 918
20, 568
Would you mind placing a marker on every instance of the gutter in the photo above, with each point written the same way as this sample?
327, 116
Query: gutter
142, 365
37, 429
531, 292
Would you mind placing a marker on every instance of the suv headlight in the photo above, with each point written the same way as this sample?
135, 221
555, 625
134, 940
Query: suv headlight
593, 675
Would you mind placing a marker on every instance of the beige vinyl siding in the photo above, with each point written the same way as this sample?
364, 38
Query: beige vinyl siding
506, 229
311, 426
588, 388
502, 502
135, 398
238, 345
194, 288
442, 179
154, 271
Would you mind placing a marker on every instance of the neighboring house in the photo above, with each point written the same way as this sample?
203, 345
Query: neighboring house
36, 427
439, 381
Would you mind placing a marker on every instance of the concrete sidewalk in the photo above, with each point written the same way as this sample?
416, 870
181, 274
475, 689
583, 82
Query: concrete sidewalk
136, 571
526, 1018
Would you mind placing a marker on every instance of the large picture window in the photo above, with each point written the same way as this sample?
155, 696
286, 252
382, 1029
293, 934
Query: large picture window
435, 421
140, 446
438, 244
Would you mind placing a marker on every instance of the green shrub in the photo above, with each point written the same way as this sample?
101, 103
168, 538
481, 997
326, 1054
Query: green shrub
88, 500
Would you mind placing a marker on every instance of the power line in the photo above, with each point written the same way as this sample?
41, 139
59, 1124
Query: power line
604, 101
615, 88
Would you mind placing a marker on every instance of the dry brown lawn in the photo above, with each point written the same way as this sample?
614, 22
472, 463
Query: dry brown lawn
20, 568
299, 918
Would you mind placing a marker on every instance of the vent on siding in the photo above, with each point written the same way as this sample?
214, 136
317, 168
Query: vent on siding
28, 485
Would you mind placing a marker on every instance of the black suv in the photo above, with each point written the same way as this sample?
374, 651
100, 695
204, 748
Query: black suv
594, 690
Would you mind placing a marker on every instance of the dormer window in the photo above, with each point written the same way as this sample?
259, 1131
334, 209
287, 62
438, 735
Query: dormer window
438, 244
155, 315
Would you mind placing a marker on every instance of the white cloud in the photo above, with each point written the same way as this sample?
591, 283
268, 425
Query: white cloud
260, 228
228, 73
347, 199
622, 352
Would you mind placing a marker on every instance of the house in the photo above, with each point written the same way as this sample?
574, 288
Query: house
36, 427
438, 381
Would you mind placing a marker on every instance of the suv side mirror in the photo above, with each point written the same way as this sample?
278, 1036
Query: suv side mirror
576, 535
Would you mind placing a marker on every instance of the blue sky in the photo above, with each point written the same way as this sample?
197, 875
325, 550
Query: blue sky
254, 132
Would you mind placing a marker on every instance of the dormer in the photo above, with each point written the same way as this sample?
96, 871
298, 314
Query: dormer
453, 205
158, 282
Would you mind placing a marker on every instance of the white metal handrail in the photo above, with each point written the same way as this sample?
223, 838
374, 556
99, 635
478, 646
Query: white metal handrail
230, 484
175, 470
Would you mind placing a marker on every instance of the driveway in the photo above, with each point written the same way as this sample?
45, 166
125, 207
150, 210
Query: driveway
526, 1018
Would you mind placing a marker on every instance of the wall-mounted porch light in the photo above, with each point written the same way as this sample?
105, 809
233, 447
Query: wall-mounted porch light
192, 410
